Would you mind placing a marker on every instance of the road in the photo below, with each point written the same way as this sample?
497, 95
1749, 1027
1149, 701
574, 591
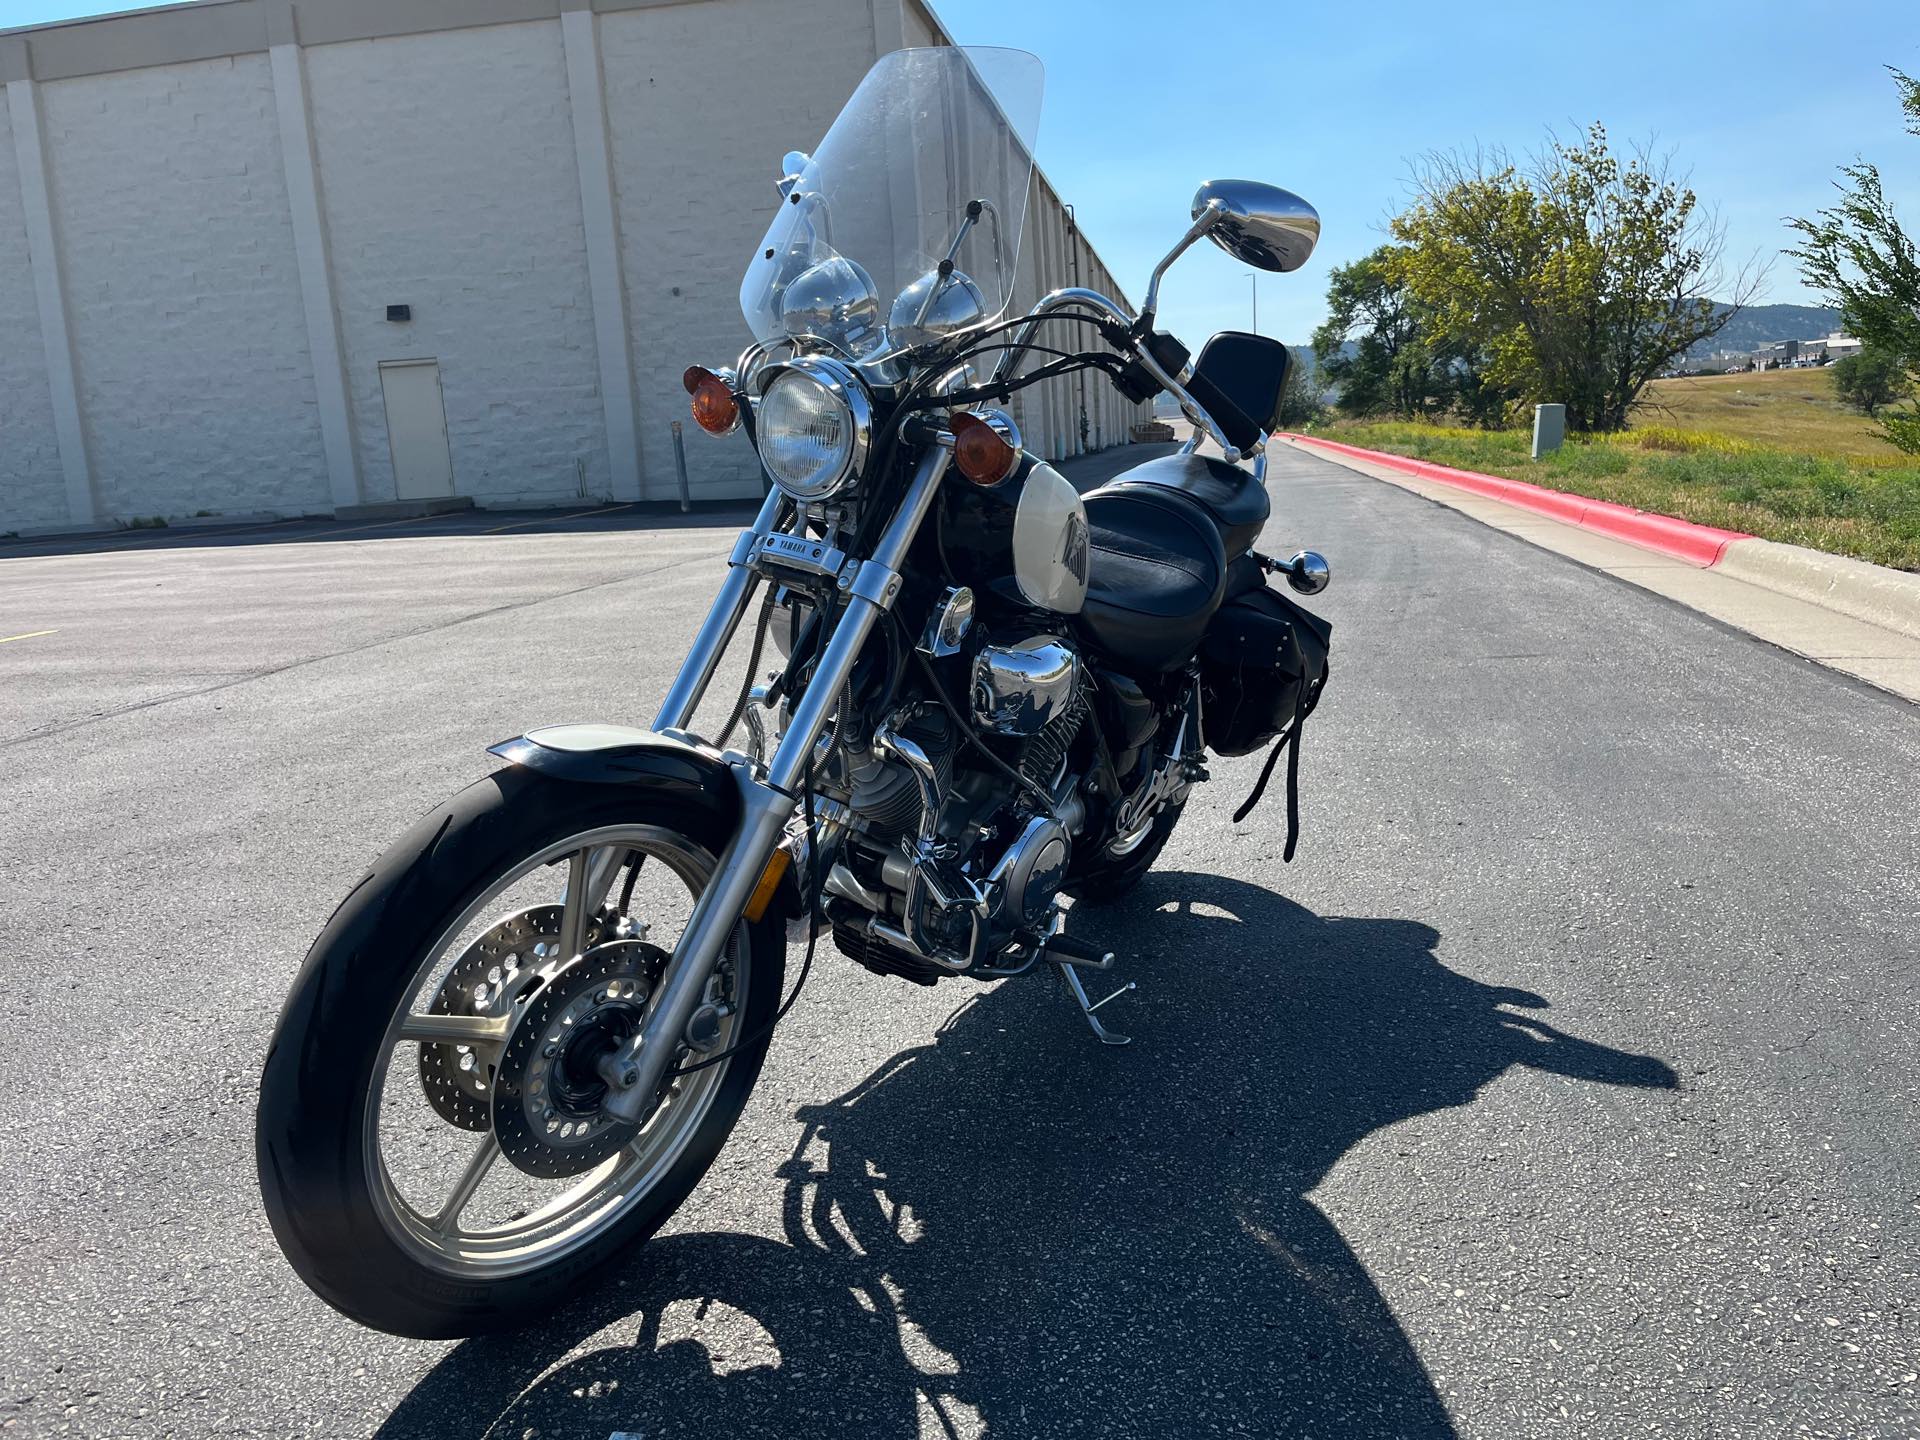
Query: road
1565, 1084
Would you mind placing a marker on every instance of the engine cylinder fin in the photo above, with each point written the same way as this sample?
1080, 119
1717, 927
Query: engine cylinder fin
885, 795
851, 939
1041, 754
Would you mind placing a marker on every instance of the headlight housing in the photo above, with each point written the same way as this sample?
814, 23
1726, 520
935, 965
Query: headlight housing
813, 425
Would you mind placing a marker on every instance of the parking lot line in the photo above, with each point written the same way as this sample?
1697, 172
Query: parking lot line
555, 519
30, 635
375, 525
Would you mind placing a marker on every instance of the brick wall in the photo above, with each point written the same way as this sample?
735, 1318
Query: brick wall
917, 28
196, 389
448, 183
32, 491
700, 119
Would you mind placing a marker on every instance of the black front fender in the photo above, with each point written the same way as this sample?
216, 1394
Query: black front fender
622, 755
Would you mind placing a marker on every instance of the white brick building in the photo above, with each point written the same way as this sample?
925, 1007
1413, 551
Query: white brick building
206, 212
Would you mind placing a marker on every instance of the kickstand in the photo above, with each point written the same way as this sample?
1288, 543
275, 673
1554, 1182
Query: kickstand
1087, 1007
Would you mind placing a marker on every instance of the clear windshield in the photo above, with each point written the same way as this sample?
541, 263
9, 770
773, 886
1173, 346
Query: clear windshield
904, 225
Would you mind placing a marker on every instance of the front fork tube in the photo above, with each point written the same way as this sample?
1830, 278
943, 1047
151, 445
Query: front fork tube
635, 1071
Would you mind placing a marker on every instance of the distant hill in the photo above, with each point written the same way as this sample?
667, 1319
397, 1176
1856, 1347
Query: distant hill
1753, 327
1757, 324
1303, 353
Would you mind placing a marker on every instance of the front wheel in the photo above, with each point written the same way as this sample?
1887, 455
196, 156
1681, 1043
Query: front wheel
432, 1154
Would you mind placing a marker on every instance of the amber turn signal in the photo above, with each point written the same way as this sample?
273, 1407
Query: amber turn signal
770, 878
978, 451
714, 408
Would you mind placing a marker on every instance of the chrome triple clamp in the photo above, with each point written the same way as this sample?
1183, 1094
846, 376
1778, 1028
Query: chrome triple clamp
1068, 956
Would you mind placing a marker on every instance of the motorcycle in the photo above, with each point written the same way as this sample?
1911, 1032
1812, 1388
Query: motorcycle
992, 692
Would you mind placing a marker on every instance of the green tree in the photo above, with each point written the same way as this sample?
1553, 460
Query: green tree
1391, 369
1860, 257
1579, 277
1300, 396
1869, 380
1478, 398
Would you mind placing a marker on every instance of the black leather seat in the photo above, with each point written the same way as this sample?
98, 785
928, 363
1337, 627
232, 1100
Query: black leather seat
1155, 576
1236, 501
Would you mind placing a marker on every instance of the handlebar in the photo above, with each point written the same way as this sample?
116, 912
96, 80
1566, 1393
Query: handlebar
1175, 385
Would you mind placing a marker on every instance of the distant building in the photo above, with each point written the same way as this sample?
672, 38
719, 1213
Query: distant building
1776, 354
1718, 362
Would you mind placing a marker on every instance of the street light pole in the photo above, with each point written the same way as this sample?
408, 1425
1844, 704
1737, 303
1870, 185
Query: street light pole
1256, 300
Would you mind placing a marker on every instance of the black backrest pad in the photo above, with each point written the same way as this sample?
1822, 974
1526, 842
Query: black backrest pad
1239, 378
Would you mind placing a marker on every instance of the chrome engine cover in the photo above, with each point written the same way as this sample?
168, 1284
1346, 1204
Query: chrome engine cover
1019, 688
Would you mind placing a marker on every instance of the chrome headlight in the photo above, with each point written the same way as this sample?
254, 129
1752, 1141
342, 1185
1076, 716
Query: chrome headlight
813, 426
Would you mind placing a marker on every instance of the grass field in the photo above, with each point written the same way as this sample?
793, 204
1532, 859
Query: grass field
1793, 409
1836, 503
1771, 454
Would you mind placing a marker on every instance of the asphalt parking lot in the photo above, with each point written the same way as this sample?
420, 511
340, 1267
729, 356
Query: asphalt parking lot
1564, 1085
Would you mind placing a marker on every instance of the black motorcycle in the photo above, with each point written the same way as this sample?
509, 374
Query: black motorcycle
991, 692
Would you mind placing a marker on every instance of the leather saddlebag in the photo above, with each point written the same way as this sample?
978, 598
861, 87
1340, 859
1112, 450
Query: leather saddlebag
1263, 662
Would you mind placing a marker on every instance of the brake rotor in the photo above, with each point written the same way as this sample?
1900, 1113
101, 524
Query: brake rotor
483, 983
547, 1093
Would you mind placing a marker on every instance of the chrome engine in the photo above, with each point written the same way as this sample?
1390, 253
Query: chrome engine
942, 870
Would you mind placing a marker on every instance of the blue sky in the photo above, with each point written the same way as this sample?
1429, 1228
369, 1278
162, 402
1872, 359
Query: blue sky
1760, 101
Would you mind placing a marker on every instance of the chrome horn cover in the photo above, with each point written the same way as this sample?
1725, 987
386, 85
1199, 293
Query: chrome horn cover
938, 304
1018, 688
834, 301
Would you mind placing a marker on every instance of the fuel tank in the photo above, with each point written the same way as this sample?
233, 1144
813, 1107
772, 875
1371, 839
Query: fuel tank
1024, 540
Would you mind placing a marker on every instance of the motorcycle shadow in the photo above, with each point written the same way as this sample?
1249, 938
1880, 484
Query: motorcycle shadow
1014, 1231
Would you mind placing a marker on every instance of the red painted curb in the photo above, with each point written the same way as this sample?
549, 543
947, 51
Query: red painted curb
1701, 545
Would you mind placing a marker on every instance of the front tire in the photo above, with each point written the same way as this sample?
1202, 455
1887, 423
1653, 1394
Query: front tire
340, 1074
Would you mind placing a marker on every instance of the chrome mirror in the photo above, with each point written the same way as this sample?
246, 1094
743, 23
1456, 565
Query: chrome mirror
1259, 225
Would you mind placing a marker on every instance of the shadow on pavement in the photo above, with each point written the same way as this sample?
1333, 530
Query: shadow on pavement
1012, 1230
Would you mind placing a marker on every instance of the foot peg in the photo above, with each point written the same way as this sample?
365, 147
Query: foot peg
1306, 570
1079, 993
1063, 949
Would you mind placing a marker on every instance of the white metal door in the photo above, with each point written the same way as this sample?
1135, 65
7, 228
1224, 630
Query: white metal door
416, 429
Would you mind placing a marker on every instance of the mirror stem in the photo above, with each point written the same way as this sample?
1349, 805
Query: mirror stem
1208, 218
